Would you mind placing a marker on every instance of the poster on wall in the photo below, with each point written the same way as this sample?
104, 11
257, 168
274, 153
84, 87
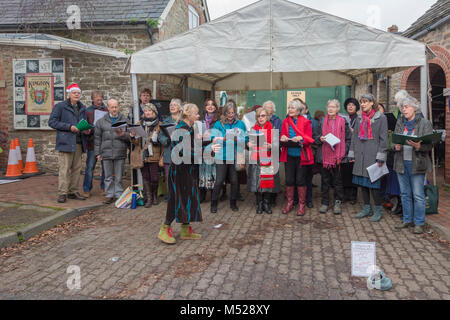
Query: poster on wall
38, 85
291, 95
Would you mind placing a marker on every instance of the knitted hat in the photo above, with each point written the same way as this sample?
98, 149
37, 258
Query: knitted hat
73, 87
256, 107
354, 101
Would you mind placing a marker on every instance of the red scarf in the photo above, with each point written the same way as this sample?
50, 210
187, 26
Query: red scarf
263, 155
331, 157
365, 130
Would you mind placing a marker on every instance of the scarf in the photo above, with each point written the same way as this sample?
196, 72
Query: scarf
332, 157
208, 120
149, 124
266, 175
365, 130
409, 126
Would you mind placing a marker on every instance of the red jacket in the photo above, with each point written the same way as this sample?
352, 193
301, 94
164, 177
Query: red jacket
304, 126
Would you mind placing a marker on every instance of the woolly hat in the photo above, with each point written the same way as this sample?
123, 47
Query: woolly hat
73, 87
256, 107
354, 101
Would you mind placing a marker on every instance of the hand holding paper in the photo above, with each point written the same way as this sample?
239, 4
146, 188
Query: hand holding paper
332, 140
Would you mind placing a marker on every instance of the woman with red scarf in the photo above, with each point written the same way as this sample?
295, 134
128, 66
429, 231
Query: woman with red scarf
261, 177
369, 146
296, 139
330, 157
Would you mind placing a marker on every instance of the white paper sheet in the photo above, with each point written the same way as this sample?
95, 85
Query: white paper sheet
140, 132
98, 114
249, 120
332, 140
363, 258
376, 172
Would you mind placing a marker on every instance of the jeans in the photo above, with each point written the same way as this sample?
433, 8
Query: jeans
412, 195
91, 161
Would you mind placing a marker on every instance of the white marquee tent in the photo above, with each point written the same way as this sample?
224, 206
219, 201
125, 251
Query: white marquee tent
277, 44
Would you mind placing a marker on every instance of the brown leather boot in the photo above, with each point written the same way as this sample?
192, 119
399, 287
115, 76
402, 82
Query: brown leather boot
301, 191
155, 194
148, 194
290, 200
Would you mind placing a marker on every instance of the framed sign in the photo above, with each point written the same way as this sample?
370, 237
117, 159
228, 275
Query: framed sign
291, 95
38, 85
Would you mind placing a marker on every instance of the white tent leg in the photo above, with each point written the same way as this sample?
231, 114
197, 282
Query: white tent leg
134, 89
423, 90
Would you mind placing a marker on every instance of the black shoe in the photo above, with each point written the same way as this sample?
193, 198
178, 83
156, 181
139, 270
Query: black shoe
213, 206
398, 210
233, 206
259, 207
76, 196
62, 198
266, 206
223, 197
310, 205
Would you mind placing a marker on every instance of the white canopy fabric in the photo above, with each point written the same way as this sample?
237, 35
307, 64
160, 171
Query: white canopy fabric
276, 44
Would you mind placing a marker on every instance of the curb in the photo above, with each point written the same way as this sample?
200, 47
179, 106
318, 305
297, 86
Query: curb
42, 225
438, 228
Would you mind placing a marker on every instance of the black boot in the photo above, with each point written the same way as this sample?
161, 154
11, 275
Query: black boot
266, 203
213, 206
259, 203
224, 197
233, 205
155, 194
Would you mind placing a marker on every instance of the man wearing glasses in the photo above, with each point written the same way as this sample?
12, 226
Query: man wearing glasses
70, 142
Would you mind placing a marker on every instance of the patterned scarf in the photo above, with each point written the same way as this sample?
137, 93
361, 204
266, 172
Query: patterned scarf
208, 119
263, 155
332, 157
365, 130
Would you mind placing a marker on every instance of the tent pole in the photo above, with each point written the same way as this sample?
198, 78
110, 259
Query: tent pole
135, 174
423, 90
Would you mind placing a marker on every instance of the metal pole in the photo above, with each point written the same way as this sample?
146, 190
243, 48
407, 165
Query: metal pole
423, 89
134, 89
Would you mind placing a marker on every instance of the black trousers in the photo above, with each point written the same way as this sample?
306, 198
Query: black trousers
296, 175
332, 177
221, 173
375, 194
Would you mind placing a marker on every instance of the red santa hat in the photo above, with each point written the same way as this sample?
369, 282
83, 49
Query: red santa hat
73, 87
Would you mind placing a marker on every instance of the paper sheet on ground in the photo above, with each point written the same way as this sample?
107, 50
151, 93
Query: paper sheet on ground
376, 172
363, 258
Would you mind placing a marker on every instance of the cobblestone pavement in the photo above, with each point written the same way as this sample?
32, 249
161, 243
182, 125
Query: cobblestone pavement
250, 257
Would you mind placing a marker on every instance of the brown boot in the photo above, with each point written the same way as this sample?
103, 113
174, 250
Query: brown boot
301, 191
290, 200
155, 194
148, 194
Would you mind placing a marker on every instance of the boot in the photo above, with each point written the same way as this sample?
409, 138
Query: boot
290, 200
301, 191
166, 234
213, 206
233, 205
337, 207
259, 203
377, 213
266, 202
187, 233
147, 194
202, 195
366, 211
155, 197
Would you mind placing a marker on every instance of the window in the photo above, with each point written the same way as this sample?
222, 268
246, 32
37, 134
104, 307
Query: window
194, 19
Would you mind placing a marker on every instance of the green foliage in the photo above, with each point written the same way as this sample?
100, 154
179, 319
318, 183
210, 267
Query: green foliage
134, 20
152, 23
128, 51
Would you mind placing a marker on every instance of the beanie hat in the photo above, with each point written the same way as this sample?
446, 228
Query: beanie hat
73, 87
256, 107
354, 101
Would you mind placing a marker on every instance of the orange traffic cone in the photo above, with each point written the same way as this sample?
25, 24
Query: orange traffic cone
19, 153
13, 169
30, 164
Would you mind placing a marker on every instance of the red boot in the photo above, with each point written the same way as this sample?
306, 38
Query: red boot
301, 191
290, 200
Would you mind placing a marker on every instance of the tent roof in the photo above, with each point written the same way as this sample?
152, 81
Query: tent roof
268, 43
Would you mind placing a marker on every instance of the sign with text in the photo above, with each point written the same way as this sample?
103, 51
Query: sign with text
38, 93
363, 258
291, 95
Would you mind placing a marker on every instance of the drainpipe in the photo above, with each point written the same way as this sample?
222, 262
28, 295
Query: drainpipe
150, 35
388, 84
430, 28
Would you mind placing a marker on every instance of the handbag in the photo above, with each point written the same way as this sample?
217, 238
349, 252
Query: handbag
431, 199
136, 158
124, 201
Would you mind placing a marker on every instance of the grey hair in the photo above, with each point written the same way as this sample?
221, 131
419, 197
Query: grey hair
399, 96
335, 102
298, 105
177, 101
410, 101
273, 105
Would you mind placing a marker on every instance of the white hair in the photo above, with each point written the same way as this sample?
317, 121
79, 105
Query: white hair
272, 103
410, 101
335, 102
399, 96
298, 105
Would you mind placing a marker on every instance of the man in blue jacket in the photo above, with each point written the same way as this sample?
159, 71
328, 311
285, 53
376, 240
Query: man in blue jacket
70, 142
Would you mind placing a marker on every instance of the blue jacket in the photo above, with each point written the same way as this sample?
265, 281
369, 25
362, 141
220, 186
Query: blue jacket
276, 123
61, 119
220, 130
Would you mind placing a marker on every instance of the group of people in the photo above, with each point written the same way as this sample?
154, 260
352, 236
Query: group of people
362, 132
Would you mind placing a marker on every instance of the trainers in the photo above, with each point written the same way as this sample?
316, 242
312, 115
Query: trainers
323, 208
418, 229
337, 207
403, 225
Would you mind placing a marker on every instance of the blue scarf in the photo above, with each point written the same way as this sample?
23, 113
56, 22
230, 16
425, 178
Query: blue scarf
409, 125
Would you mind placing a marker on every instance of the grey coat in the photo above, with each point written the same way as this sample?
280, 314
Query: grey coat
107, 143
368, 152
165, 141
421, 162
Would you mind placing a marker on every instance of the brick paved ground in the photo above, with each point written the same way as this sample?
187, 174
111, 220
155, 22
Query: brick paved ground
250, 257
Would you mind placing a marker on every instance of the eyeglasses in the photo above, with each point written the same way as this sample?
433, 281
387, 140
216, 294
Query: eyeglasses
262, 116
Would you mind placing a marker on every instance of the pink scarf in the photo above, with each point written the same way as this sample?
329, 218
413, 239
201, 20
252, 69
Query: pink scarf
331, 157
365, 130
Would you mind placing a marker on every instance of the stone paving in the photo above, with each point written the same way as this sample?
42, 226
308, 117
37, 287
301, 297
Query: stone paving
250, 257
